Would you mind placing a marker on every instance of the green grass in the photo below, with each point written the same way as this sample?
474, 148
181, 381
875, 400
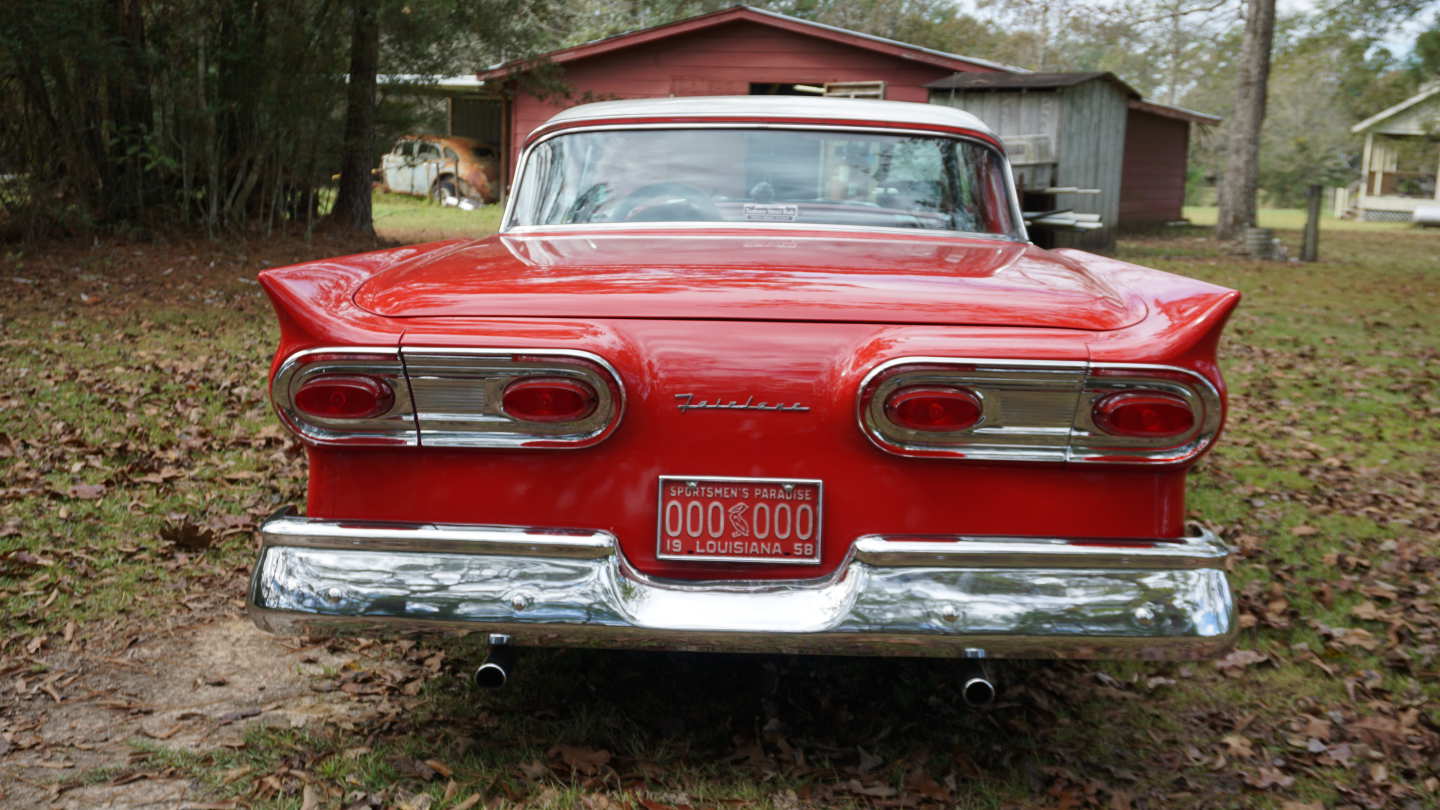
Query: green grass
141, 369
1294, 219
402, 218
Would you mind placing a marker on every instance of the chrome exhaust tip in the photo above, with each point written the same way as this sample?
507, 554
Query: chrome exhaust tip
976, 687
978, 691
499, 662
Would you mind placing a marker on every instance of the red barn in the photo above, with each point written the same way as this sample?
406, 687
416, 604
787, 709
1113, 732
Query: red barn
735, 51
744, 51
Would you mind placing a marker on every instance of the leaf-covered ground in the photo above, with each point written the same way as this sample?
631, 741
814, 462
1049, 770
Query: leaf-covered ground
137, 453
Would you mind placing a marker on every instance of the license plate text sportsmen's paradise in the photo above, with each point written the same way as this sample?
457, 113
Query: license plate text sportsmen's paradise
762, 520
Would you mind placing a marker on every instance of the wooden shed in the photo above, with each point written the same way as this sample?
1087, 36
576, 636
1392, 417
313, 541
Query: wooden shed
1120, 157
734, 51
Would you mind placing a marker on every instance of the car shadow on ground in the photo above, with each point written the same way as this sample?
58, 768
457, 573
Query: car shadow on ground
833, 730
221, 711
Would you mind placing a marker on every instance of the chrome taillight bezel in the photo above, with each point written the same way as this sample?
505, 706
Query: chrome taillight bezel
458, 395
394, 427
449, 397
1091, 444
1037, 410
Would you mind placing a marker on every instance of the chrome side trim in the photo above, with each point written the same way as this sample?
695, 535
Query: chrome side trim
437, 538
457, 394
546, 587
1036, 410
395, 427
1201, 550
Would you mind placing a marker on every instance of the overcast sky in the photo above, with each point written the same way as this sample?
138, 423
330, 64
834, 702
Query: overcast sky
1399, 41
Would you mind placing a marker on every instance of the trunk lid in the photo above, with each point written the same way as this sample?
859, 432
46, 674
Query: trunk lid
779, 276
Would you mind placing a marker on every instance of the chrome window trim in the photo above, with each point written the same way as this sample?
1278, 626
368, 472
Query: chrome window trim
1069, 436
438, 426
395, 427
581, 228
506, 228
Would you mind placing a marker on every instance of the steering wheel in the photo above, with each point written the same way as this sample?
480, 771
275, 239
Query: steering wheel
667, 202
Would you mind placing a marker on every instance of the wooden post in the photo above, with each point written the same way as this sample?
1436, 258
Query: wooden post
1310, 248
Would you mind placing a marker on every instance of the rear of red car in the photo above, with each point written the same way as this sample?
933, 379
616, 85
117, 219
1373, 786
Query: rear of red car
730, 438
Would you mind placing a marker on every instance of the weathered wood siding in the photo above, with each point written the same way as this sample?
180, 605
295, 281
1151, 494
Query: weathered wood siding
1152, 187
1089, 154
1032, 112
1012, 115
1086, 125
723, 60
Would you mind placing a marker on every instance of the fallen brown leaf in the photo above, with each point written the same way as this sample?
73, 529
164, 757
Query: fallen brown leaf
581, 759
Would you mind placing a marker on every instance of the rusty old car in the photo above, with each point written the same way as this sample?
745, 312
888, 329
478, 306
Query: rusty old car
752, 374
448, 169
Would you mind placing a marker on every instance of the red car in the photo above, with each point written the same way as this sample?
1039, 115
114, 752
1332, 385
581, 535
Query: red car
752, 374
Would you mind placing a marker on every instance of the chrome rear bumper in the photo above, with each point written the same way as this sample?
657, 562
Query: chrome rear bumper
946, 597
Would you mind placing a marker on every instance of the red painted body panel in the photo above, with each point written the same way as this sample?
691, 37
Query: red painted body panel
612, 485
750, 275
691, 339
315, 302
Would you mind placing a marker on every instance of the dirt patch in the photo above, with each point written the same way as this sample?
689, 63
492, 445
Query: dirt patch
190, 688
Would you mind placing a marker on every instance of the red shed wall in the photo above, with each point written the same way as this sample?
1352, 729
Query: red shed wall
1152, 179
723, 60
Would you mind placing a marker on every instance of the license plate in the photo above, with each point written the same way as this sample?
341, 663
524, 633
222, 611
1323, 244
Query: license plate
760, 520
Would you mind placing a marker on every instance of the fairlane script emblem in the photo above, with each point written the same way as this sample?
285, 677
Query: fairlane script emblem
689, 403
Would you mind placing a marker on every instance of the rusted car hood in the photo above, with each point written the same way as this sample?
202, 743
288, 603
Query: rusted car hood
750, 276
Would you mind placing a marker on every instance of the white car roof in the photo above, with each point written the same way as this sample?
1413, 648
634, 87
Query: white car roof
849, 109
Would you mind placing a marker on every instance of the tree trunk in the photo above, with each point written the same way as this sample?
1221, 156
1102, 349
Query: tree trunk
352, 201
1242, 166
131, 114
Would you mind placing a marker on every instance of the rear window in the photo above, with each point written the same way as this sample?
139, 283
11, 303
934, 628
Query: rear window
861, 179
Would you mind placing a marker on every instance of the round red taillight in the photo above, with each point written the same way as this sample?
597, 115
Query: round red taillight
548, 399
1143, 414
934, 407
336, 396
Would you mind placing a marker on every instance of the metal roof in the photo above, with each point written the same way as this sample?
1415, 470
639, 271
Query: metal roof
982, 82
1171, 111
790, 107
943, 59
1024, 81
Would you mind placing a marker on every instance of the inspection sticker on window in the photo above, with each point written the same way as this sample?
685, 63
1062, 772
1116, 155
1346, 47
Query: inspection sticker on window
771, 212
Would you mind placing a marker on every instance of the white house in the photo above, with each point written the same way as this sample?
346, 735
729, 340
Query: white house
1400, 170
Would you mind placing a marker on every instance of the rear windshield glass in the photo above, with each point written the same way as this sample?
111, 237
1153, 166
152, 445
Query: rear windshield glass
765, 175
